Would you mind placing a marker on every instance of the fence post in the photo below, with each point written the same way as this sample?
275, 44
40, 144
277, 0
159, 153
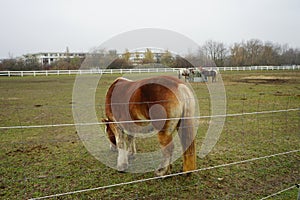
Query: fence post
33, 73
298, 186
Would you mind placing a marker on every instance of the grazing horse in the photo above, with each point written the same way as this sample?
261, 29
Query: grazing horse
207, 73
187, 73
165, 103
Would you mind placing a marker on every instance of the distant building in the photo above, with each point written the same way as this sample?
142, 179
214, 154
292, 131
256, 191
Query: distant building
47, 58
137, 55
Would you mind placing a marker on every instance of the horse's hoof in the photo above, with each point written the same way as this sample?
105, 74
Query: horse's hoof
163, 171
160, 172
122, 168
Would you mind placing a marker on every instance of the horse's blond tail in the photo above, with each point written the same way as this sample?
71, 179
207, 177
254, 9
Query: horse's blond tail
186, 129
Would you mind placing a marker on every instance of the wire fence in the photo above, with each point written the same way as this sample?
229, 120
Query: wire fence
257, 154
175, 174
135, 70
148, 120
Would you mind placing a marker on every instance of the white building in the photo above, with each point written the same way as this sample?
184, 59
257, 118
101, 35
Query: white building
47, 58
137, 55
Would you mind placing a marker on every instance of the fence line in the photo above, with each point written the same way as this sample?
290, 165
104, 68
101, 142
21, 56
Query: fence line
140, 70
167, 176
86, 71
249, 68
281, 191
149, 120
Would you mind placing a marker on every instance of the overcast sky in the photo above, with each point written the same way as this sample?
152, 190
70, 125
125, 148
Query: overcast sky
31, 26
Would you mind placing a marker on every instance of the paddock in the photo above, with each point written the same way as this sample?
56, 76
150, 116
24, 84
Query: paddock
256, 157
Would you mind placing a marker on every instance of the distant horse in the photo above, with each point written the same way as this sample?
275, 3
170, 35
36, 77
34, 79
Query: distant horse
187, 73
207, 73
163, 102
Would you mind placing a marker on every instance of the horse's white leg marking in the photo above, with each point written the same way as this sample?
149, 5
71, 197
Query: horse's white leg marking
122, 163
126, 150
113, 147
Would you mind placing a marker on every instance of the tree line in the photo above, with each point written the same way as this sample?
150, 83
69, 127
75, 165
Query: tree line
19, 64
253, 52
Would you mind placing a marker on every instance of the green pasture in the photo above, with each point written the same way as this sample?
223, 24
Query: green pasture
41, 161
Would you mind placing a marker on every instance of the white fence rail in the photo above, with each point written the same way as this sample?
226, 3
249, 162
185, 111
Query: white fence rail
87, 71
142, 70
285, 67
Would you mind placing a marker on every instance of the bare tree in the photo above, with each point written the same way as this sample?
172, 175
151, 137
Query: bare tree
270, 54
290, 56
253, 50
215, 51
238, 54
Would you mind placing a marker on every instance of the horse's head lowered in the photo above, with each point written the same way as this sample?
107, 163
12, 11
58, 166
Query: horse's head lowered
120, 142
109, 127
138, 107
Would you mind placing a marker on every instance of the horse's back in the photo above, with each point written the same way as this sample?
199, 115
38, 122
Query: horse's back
139, 96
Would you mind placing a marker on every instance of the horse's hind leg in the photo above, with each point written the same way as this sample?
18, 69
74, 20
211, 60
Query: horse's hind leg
187, 136
167, 147
132, 148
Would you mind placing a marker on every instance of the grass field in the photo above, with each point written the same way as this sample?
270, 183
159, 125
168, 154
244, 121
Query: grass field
37, 162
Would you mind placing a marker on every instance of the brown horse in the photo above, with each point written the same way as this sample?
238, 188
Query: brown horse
164, 103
